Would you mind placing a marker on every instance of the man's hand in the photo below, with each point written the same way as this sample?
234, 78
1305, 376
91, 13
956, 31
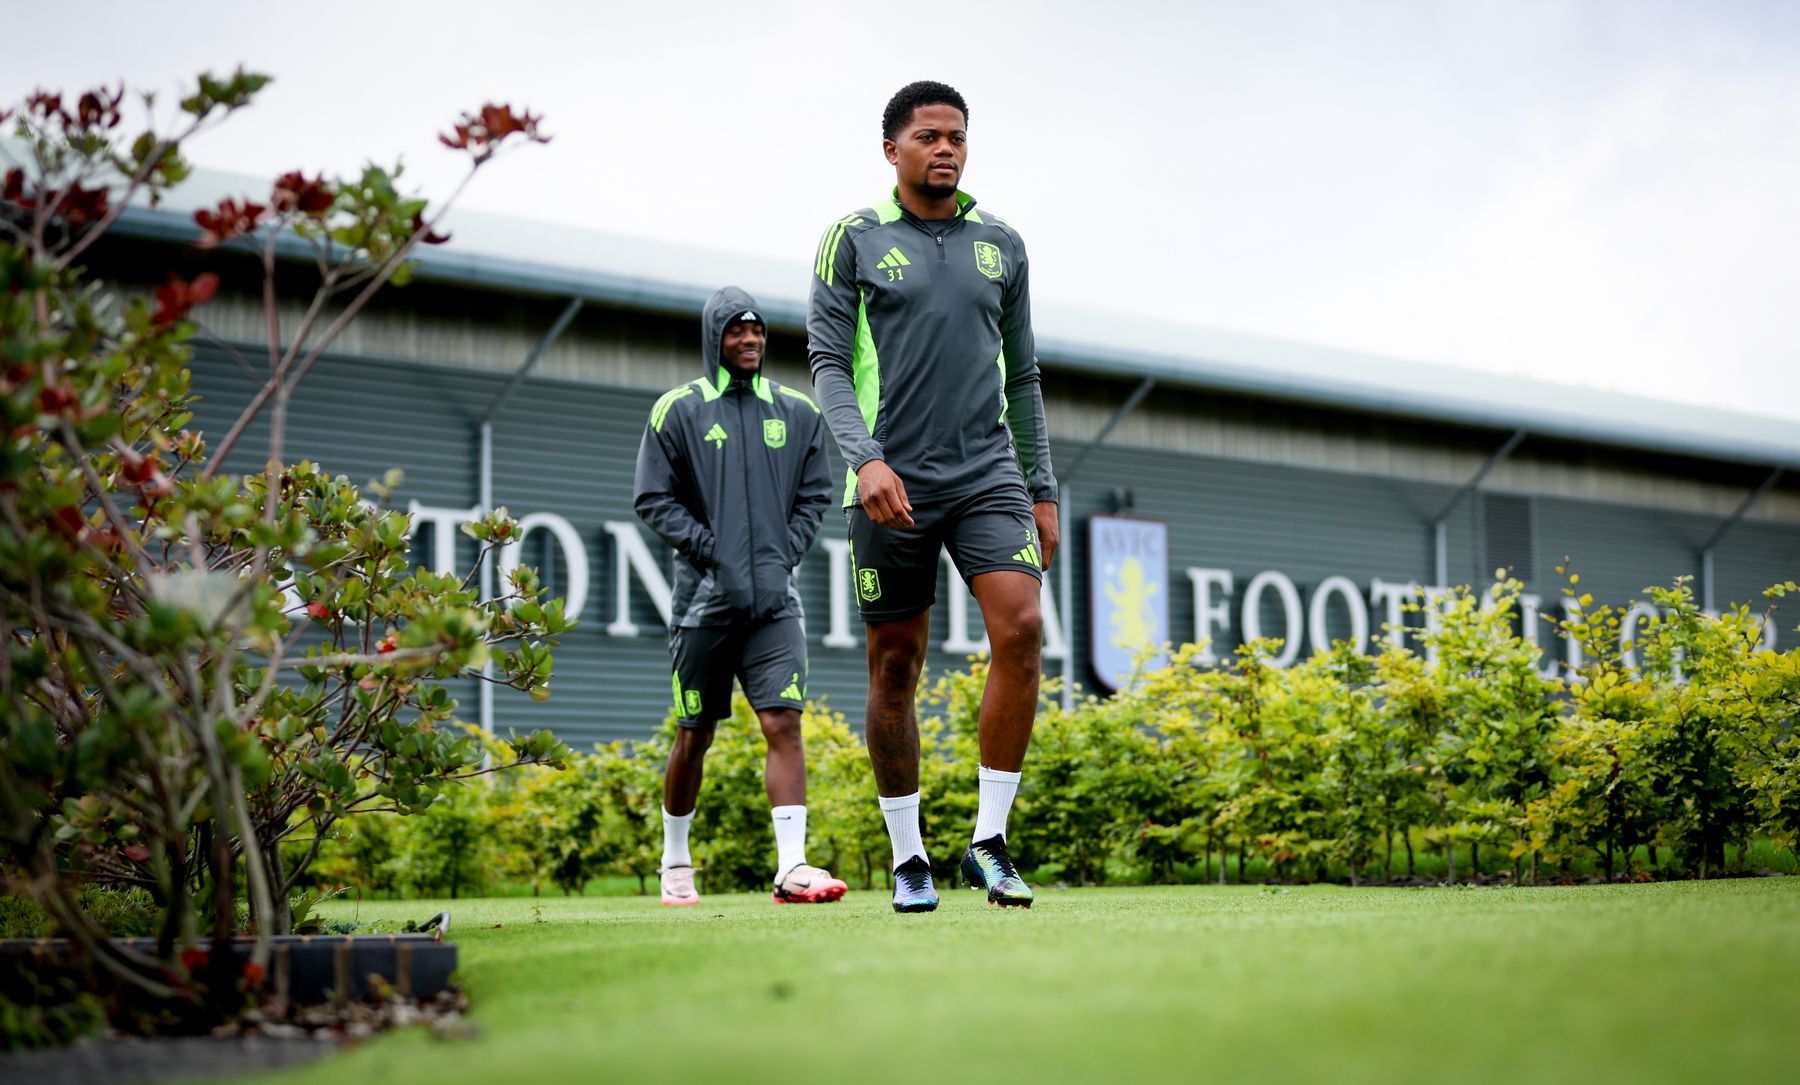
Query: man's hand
1049, 532
884, 495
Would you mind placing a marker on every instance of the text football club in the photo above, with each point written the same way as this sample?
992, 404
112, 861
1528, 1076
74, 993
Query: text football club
1130, 603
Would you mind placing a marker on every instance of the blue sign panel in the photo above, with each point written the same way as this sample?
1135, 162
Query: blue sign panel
1128, 595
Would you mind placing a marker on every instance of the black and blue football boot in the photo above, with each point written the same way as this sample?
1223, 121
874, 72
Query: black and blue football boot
986, 865
913, 891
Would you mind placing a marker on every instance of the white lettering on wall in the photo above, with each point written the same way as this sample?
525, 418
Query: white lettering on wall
1572, 613
1056, 640
1212, 592
1390, 596
1530, 621
839, 634
446, 524
957, 640
574, 553
1316, 627
1432, 601
632, 555
1250, 617
1210, 614
1628, 631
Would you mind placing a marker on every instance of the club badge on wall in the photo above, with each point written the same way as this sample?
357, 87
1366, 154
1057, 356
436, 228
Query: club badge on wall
1128, 596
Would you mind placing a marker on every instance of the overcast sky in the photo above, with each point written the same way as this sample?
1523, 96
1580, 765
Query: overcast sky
1604, 193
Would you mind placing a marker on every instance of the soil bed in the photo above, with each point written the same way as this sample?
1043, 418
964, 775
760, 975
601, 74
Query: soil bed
132, 1059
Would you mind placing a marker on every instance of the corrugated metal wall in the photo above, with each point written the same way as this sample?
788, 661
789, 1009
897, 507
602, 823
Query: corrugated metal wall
1239, 427
567, 447
485, 331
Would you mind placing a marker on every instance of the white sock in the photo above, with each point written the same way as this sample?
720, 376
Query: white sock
790, 837
902, 814
997, 791
675, 834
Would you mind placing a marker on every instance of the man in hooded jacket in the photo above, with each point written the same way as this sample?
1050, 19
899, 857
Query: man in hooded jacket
732, 473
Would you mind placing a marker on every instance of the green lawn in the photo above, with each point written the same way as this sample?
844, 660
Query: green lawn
1666, 982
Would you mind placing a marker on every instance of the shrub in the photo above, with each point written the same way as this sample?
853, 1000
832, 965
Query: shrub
202, 668
1319, 770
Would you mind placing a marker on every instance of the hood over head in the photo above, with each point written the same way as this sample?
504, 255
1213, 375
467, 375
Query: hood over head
726, 307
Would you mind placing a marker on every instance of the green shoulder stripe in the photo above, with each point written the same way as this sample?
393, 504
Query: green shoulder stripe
661, 410
801, 396
825, 264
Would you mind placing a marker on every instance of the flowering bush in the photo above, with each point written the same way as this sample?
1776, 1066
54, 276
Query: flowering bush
206, 673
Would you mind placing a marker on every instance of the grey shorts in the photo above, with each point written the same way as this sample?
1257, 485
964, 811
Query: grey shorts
768, 658
896, 569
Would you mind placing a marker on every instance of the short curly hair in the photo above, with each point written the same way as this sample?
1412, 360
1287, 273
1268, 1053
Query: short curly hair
913, 95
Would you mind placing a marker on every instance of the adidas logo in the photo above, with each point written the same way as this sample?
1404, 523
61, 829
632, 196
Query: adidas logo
716, 435
793, 689
1029, 555
894, 259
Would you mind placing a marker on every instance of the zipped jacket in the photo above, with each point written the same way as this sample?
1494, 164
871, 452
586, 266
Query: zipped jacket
919, 336
732, 473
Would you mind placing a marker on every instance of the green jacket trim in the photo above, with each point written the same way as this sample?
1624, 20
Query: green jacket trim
660, 412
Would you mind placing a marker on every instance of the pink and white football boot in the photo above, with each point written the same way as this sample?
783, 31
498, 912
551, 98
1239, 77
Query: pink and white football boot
678, 885
804, 884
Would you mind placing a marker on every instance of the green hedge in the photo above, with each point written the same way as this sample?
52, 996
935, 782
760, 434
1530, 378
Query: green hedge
1345, 766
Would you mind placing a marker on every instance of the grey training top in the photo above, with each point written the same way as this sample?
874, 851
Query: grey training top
919, 334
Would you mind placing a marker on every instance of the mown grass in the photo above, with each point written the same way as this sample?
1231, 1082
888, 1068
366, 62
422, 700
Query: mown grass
1662, 982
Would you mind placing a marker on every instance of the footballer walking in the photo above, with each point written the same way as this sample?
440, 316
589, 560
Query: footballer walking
732, 473
919, 337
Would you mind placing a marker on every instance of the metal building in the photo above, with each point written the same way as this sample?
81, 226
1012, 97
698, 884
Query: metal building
1307, 492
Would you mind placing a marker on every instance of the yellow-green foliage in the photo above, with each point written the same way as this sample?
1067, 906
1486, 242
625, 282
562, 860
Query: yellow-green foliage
1693, 749
1340, 766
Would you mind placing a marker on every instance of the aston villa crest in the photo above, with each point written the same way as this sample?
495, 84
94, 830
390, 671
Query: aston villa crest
774, 432
987, 259
1128, 596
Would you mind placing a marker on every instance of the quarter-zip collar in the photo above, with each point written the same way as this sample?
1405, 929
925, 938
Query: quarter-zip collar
965, 203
